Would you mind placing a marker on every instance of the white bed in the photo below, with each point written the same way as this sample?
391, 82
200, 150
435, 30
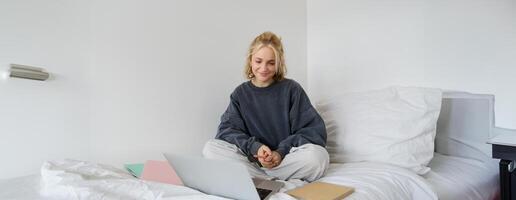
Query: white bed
461, 178
70, 179
450, 178
460, 169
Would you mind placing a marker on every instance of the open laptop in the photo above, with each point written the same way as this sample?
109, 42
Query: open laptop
222, 178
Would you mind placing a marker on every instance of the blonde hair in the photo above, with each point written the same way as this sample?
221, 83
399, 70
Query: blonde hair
267, 39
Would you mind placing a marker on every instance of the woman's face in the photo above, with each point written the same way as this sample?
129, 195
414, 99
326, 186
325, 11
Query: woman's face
263, 64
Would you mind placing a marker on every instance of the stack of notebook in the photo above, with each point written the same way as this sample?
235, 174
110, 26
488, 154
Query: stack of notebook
154, 170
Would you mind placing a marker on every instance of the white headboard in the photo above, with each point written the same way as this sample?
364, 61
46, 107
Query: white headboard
465, 124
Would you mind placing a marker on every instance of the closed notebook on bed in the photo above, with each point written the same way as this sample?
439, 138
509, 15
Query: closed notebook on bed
321, 191
160, 171
135, 169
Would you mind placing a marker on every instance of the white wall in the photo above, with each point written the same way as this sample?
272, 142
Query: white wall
133, 78
43, 120
467, 45
162, 71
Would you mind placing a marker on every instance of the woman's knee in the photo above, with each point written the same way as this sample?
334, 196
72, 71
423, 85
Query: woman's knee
216, 149
211, 147
208, 149
318, 157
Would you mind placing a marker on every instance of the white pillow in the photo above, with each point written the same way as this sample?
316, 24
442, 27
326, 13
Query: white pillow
395, 125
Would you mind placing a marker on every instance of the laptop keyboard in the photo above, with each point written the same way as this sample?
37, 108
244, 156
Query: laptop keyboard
263, 192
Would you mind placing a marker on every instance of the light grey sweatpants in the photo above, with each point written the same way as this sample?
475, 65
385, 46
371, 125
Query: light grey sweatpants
307, 162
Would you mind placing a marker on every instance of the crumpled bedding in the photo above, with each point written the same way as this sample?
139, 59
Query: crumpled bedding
73, 179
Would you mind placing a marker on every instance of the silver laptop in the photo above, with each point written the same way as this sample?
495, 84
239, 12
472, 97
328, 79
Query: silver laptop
222, 178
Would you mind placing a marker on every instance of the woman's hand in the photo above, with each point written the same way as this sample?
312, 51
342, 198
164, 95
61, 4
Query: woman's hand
264, 156
276, 159
269, 159
264, 152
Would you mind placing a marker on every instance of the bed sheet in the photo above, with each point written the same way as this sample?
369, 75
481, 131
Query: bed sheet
71, 179
462, 178
379, 181
26, 187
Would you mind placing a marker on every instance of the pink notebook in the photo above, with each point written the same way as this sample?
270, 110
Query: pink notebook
160, 171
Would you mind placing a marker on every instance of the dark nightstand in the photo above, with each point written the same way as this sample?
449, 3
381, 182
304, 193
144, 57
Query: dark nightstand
504, 148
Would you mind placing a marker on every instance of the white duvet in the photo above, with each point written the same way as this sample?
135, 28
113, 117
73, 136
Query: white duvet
71, 179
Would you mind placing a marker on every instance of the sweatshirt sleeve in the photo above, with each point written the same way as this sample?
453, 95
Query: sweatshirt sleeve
306, 124
232, 129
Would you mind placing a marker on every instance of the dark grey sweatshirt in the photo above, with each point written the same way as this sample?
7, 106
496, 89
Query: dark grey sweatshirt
279, 116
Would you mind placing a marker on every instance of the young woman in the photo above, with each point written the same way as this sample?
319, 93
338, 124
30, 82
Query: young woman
270, 124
